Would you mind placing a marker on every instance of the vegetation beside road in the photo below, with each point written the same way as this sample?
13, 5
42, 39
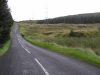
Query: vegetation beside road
6, 21
79, 41
4, 48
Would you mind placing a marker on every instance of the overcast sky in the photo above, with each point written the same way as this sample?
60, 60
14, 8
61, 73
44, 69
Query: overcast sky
41, 9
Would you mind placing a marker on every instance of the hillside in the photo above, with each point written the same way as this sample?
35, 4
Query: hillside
76, 19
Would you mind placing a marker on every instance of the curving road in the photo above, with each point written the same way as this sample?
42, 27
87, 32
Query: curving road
22, 58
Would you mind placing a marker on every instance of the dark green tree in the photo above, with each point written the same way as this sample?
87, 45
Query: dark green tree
6, 22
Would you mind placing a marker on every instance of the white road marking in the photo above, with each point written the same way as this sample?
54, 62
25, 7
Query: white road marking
26, 49
45, 71
23, 46
42, 67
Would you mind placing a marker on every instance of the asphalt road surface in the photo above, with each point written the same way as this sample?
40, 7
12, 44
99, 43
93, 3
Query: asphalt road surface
22, 58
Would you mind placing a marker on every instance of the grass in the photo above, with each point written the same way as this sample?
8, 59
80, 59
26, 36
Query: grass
56, 38
4, 48
84, 55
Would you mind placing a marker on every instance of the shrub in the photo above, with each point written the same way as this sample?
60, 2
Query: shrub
76, 34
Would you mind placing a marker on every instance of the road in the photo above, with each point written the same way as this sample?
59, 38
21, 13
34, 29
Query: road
22, 58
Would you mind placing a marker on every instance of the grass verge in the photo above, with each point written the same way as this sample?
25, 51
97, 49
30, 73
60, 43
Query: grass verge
84, 55
4, 48
56, 38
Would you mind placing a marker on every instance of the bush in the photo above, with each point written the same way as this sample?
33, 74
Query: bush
76, 34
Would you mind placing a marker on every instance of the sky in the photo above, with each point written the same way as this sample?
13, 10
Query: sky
43, 9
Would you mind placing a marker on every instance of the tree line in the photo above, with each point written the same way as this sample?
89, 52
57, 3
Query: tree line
6, 22
74, 19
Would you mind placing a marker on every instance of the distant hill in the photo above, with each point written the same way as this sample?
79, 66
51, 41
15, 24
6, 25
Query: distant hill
76, 19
